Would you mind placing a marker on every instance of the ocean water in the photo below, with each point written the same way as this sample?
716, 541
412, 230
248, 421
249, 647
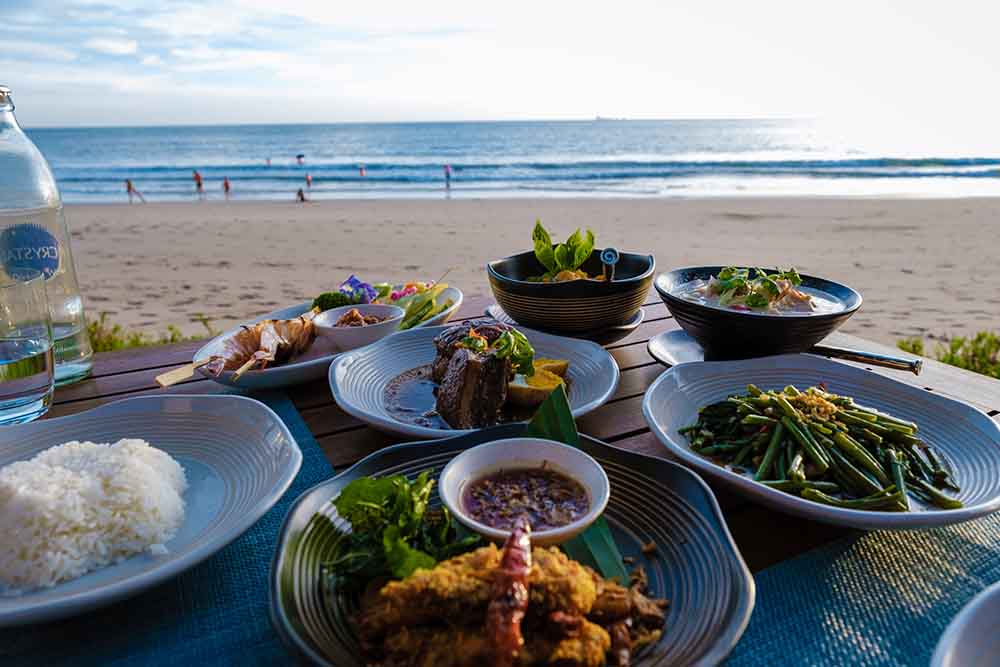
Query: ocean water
605, 158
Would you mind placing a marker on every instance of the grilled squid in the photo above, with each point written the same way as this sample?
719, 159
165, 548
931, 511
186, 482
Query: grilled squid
509, 599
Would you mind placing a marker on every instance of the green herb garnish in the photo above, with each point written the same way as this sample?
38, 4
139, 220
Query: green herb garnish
515, 345
393, 533
330, 300
568, 256
757, 290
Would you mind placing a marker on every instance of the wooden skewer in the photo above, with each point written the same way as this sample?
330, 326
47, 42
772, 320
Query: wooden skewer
180, 374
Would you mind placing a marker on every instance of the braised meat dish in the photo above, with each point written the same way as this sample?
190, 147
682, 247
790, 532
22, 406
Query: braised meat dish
472, 384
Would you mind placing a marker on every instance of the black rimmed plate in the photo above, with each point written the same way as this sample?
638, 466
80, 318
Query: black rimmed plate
731, 334
602, 337
696, 565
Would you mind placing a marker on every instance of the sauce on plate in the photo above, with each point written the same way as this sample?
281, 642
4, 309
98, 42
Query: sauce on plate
550, 499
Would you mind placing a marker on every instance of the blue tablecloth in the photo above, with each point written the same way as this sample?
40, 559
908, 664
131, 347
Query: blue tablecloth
214, 614
870, 600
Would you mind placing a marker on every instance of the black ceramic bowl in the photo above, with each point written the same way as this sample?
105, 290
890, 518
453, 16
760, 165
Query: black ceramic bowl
733, 334
576, 306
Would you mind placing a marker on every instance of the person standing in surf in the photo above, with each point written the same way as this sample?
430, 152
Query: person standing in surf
130, 189
199, 184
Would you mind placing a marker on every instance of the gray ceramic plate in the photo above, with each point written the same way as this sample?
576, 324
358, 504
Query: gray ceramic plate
310, 366
964, 437
358, 378
239, 459
971, 639
697, 566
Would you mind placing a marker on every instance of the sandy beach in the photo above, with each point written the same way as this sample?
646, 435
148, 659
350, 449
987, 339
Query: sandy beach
925, 267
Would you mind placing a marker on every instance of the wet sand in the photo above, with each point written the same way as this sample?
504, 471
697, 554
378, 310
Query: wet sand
925, 267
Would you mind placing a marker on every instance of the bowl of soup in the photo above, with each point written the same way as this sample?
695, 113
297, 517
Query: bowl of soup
584, 302
560, 489
784, 315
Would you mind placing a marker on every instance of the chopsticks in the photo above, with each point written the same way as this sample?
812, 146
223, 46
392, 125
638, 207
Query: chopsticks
872, 358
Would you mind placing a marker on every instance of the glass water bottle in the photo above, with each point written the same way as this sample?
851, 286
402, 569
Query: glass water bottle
34, 238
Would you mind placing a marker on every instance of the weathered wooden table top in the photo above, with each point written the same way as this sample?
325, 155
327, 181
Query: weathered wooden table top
765, 537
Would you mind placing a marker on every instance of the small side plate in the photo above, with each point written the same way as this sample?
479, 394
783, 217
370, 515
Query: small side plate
239, 458
310, 366
696, 565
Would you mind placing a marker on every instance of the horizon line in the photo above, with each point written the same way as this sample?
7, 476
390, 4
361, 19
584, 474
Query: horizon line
595, 119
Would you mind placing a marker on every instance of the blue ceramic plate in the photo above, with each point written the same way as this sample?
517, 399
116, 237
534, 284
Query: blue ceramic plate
239, 459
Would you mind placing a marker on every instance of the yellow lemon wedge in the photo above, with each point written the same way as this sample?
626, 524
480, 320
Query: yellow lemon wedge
530, 391
557, 366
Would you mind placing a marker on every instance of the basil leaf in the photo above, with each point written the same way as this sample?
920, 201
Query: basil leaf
583, 249
564, 258
543, 247
401, 558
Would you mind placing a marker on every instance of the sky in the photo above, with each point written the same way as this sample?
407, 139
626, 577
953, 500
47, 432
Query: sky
122, 62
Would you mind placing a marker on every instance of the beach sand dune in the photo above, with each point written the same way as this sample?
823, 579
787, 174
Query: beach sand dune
925, 267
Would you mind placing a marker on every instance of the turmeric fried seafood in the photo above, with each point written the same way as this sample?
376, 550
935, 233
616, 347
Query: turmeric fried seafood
266, 342
469, 611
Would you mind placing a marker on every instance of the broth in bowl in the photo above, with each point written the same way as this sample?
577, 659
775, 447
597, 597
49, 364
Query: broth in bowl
755, 291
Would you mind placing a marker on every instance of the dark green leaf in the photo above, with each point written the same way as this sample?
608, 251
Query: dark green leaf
554, 419
401, 558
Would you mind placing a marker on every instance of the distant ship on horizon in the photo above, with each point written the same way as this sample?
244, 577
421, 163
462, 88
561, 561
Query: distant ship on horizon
604, 118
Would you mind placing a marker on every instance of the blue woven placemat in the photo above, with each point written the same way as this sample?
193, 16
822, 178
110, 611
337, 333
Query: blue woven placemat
213, 614
870, 600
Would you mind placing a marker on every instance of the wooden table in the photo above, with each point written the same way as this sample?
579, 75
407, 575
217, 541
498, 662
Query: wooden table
764, 536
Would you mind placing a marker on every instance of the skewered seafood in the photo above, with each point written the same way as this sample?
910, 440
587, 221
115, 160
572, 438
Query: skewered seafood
263, 343
510, 596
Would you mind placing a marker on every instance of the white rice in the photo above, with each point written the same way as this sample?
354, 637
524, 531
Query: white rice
81, 506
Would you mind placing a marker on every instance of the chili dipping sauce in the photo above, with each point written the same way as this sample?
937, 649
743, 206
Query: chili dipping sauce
550, 499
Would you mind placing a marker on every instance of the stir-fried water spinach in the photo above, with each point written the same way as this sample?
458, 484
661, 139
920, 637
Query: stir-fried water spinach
825, 448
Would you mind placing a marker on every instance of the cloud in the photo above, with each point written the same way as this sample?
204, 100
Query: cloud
25, 48
152, 61
112, 47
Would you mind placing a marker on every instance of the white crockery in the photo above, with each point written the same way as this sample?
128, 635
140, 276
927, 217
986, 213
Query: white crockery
516, 454
965, 437
344, 339
358, 379
237, 454
313, 364
971, 639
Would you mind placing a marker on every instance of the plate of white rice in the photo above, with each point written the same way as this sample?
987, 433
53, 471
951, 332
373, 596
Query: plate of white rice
101, 505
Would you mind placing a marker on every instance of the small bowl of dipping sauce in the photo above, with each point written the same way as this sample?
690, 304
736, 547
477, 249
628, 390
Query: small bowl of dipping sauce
350, 327
561, 489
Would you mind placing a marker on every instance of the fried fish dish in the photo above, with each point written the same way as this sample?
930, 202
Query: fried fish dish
512, 607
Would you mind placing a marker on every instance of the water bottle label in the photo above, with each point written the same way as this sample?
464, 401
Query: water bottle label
27, 248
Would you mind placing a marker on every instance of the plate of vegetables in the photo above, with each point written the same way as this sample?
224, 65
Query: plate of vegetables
283, 348
830, 442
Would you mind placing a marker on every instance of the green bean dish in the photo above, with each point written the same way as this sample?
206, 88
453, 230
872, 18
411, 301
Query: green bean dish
825, 448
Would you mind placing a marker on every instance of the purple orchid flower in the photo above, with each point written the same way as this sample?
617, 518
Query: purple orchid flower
358, 291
